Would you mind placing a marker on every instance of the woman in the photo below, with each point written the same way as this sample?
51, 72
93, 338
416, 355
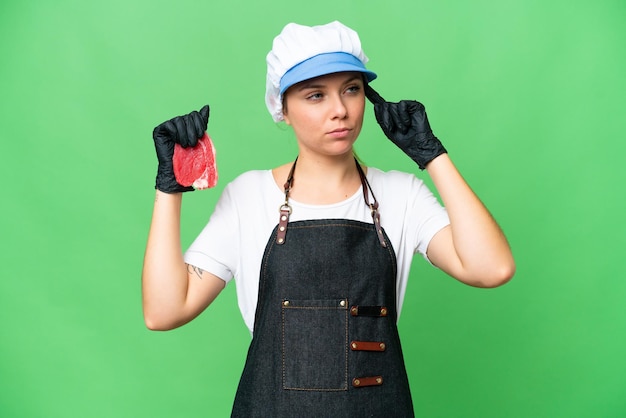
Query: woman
320, 282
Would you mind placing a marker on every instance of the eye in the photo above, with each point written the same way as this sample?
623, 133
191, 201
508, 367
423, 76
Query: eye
314, 96
353, 89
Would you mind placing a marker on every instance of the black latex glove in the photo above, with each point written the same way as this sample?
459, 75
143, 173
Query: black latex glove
184, 130
406, 125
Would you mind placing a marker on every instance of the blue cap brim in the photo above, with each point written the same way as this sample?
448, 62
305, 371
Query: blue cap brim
322, 64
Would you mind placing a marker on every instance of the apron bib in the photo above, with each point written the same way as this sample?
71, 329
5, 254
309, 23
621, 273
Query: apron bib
325, 341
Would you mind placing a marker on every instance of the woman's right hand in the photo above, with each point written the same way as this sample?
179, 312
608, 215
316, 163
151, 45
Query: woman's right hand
184, 130
173, 292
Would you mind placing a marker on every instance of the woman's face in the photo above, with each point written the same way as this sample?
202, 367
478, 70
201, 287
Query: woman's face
326, 112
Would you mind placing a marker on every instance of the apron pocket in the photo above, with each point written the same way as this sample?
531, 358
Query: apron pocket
315, 344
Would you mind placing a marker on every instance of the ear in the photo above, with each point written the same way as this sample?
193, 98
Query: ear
284, 102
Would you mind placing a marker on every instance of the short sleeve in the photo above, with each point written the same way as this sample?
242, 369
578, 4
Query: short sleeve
215, 249
425, 215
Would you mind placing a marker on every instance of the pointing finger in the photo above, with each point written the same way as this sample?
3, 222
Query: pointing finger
372, 95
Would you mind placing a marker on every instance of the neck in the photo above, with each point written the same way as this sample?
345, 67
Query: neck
322, 169
325, 180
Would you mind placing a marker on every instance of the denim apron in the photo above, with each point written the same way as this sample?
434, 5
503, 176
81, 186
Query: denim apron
325, 342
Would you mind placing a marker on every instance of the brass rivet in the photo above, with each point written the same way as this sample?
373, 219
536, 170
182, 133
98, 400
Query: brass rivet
354, 346
342, 303
282, 228
357, 382
280, 240
379, 380
383, 311
382, 346
354, 310
286, 303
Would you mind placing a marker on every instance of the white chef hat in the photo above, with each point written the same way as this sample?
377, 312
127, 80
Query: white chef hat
303, 52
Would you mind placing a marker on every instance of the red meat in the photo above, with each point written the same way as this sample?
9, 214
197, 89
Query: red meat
196, 166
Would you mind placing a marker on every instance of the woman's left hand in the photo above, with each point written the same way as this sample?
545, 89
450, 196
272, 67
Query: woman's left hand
405, 123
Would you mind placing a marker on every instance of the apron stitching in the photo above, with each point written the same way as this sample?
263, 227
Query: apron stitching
346, 346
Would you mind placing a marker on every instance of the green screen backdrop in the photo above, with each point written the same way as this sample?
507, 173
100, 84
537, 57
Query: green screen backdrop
527, 96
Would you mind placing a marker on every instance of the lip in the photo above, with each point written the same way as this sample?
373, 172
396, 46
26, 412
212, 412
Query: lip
339, 132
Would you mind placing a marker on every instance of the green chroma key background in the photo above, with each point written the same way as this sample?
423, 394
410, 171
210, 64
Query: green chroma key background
528, 97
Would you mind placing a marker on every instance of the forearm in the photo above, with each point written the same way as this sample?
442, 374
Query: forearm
482, 255
164, 277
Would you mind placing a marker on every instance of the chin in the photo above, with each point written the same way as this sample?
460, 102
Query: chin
343, 151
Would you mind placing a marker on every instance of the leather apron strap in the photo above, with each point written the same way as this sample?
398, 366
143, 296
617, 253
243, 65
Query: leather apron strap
285, 208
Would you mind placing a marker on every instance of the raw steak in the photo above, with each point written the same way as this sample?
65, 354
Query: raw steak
196, 166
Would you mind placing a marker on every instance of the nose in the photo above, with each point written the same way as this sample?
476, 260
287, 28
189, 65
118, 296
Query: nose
339, 109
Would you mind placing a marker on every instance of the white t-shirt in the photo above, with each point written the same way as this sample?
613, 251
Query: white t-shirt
231, 245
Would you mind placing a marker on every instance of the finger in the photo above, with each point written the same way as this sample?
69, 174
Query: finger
373, 95
204, 112
164, 131
199, 124
179, 134
384, 118
398, 116
406, 110
195, 128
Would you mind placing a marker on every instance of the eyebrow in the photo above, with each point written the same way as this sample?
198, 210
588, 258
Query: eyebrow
313, 84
